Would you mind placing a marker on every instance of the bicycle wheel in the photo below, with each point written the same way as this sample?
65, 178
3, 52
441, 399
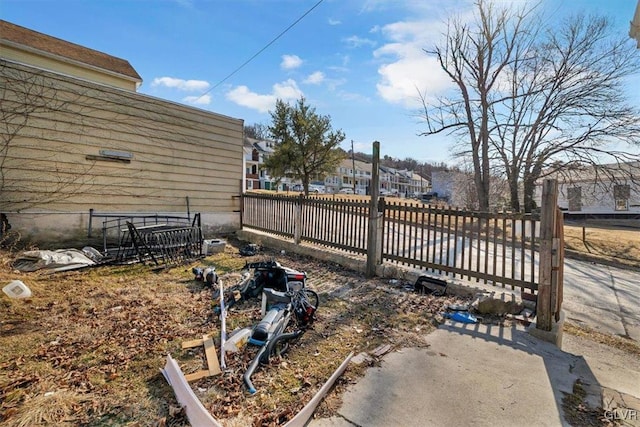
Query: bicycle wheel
311, 297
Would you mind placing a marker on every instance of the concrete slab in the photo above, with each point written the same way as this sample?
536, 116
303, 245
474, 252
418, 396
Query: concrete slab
612, 368
626, 284
331, 422
479, 375
606, 320
603, 298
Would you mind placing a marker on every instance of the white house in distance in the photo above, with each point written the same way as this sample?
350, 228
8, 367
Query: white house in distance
582, 192
348, 172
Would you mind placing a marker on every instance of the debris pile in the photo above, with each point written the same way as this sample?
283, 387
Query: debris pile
98, 337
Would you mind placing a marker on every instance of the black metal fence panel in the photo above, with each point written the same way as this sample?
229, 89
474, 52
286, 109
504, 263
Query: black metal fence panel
336, 223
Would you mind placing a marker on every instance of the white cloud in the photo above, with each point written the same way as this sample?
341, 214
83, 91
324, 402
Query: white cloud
406, 69
373, 5
315, 78
355, 41
180, 84
403, 81
333, 84
334, 21
290, 62
286, 91
345, 60
197, 100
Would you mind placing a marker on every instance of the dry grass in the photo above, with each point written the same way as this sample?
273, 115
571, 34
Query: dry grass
579, 413
621, 343
617, 245
87, 348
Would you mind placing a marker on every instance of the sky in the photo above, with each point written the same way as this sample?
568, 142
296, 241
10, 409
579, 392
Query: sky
361, 62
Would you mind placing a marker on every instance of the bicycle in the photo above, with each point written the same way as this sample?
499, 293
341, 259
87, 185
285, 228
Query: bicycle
298, 303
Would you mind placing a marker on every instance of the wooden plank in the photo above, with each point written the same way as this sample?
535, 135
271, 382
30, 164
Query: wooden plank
544, 310
560, 266
303, 417
213, 366
192, 343
449, 238
197, 375
212, 357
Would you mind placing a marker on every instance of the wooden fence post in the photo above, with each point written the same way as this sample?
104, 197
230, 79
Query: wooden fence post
544, 307
374, 231
297, 221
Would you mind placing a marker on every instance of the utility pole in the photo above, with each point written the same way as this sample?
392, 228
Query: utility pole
353, 165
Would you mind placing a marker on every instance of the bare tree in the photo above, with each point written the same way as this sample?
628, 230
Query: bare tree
475, 58
257, 131
564, 107
464, 189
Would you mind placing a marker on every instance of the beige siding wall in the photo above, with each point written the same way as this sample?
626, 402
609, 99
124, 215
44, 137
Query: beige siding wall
80, 71
51, 177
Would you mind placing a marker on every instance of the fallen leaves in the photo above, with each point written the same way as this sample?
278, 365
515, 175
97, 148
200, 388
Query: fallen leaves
97, 338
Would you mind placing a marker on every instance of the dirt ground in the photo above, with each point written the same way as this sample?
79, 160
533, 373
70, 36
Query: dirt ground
88, 347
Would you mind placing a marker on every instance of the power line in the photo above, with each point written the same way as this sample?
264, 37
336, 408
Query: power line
261, 50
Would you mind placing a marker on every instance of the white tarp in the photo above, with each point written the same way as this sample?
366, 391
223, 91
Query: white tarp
58, 260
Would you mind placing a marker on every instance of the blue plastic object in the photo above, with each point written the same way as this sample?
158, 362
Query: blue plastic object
461, 316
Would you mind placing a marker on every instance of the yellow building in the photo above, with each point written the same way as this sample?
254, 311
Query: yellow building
77, 136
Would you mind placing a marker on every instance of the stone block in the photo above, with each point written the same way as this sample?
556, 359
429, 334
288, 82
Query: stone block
497, 303
554, 336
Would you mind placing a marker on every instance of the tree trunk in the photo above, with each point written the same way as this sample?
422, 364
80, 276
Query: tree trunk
513, 194
529, 189
305, 184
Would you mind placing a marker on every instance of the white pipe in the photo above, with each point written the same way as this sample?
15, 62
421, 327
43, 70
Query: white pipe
301, 419
223, 327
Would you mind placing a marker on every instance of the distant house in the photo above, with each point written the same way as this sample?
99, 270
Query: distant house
77, 136
252, 162
346, 174
419, 184
593, 191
